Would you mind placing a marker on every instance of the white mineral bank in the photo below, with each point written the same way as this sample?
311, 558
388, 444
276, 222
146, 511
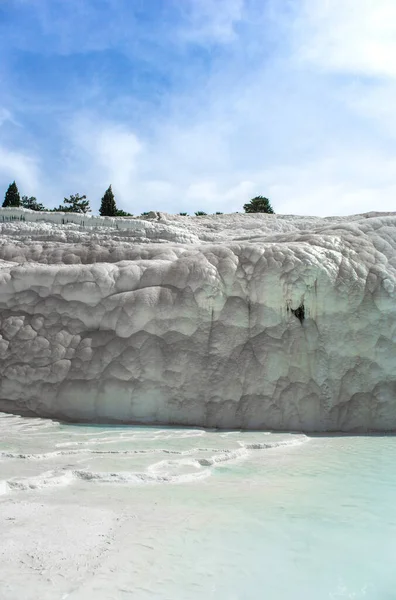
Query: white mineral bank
189, 320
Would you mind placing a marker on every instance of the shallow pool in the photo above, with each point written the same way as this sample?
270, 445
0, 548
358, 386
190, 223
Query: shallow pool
133, 512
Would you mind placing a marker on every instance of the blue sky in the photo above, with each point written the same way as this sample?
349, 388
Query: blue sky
186, 105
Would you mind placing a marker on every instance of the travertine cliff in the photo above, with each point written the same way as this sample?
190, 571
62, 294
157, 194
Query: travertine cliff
247, 321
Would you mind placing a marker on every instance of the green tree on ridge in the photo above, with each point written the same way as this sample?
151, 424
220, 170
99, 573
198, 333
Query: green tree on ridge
259, 204
12, 197
108, 207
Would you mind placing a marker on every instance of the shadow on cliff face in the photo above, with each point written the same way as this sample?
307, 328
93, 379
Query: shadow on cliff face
299, 313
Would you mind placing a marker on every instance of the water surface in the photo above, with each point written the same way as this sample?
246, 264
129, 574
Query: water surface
133, 512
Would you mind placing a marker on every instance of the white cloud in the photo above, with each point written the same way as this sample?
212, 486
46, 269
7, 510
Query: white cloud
263, 123
343, 185
103, 153
375, 102
117, 151
21, 167
211, 20
5, 116
352, 36
355, 165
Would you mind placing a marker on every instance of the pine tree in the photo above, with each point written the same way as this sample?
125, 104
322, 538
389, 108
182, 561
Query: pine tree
77, 204
259, 204
12, 197
122, 213
108, 206
31, 203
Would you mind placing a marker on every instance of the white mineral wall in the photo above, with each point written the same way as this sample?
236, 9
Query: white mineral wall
190, 320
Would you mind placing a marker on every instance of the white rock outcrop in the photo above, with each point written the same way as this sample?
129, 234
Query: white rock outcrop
246, 321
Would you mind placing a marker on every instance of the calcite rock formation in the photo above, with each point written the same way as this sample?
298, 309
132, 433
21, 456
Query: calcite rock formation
239, 321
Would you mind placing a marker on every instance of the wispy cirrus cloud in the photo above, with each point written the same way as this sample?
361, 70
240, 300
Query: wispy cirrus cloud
211, 21
202, 104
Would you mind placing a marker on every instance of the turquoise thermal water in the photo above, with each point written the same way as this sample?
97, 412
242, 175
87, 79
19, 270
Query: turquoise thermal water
222, 515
